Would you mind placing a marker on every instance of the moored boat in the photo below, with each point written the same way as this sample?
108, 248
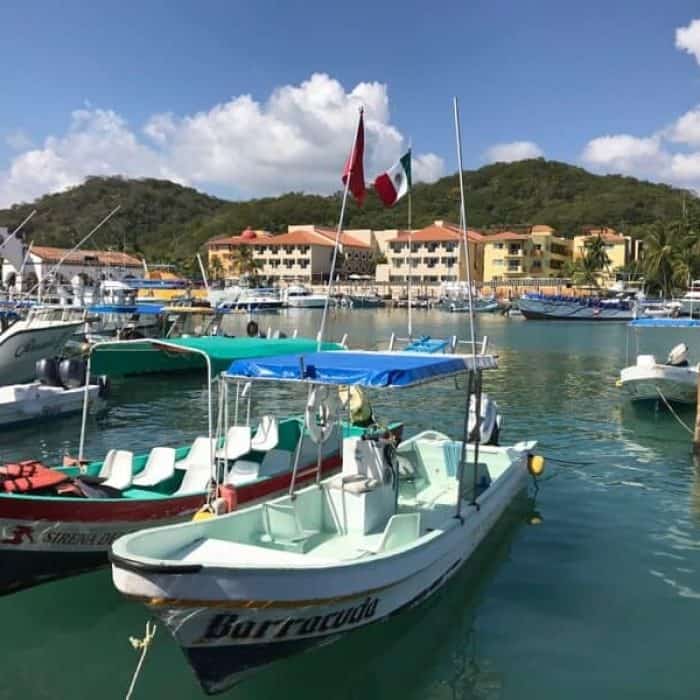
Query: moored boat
240, 591
569, 308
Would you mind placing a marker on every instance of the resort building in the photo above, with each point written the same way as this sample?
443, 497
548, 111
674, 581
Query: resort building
620, 249
303, 253
539, 253
25, 266
431, 255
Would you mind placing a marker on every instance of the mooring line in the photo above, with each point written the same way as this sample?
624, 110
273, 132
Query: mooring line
673, 413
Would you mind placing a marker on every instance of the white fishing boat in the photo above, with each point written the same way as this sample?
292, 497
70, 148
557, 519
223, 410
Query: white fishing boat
242, 590
300, 297
672, 381
58, 390
24, 341
690, 301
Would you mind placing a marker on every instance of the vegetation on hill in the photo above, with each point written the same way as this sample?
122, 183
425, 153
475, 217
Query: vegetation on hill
169, 223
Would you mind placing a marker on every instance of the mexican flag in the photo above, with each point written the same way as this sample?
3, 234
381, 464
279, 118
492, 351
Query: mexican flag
395, 182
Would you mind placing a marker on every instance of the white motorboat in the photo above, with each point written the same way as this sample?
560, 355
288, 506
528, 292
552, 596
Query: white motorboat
690, 301
242, 590
59, 389
300, 297
673, 381
25, 341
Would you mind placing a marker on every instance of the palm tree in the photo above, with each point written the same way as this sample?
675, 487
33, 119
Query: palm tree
663, 244
244, 262
596, 252
583, 271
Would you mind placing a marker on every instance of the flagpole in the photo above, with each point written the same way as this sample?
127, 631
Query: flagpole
410, 269
322, 330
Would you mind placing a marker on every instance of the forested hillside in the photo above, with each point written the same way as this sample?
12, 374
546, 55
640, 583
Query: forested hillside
169, 223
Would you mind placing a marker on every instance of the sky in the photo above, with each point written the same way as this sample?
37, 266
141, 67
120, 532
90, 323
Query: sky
246, 99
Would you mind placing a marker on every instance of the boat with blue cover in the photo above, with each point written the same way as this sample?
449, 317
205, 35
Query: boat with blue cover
242, 590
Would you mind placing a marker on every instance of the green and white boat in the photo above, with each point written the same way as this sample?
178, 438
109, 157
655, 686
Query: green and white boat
242, 590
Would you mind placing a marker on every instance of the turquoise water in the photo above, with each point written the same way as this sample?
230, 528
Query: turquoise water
599, 600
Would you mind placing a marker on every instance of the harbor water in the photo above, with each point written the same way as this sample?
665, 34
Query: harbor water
589, 590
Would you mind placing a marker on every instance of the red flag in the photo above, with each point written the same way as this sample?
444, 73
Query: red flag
354, 169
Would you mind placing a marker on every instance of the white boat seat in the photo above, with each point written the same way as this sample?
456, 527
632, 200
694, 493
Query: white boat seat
242, 472
159, 467
199, 454
122, 470
106, 468
402, 529
237, 443
195, 480
283, 527
267, 435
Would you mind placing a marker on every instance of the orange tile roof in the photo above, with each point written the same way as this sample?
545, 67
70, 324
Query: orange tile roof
607, 237
507, 236
435, 233
85, 257
322, 237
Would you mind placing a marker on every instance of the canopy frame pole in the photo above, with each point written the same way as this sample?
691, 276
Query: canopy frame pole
410, 267
297, 453
86, 401
465, 440
477, 436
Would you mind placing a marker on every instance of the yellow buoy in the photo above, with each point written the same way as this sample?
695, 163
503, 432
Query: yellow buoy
203, 513
618, 383
535, 465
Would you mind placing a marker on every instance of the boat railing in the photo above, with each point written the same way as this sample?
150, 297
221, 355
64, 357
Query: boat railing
480, 346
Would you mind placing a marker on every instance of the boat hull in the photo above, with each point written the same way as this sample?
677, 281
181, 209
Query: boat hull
230, 623
571, 311
675, 384
48, 538
42, 403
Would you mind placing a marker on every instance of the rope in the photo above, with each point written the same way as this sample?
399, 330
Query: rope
143, 644
673, 413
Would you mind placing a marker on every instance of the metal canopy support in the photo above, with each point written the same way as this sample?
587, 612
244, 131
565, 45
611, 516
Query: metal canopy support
465, 440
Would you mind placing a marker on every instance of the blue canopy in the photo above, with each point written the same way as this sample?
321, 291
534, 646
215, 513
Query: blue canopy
126, 309
427, 344
368, 369
665, 323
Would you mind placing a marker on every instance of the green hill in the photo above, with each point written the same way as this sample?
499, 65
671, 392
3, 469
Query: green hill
168, 222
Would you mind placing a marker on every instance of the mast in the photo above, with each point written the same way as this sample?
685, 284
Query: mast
410, 249
474, 374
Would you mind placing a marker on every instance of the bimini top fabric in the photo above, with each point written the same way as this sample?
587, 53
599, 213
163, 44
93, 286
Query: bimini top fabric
222, 348
665, 323
368, 369
152, 309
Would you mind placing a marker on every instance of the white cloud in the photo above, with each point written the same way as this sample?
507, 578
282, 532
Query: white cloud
687, 128
510, 152
298, 139
625, 153
688, 39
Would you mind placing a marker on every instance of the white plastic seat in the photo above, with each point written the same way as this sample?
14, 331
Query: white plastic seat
195, 480
283, 527
200, 453
122, 470
237, 443
106, 468
267, 435
402, 529
159, 467
242, 472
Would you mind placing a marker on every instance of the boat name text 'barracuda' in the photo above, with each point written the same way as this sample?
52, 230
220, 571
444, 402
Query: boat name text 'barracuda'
237, 627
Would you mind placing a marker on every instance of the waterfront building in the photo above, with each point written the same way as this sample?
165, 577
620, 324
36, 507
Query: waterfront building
23, 267
428, 256
539, 253
304, 253
620, 249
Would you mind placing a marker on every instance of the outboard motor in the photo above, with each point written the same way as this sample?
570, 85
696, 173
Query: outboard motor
490, 421
46, 371
678, 357
72, 372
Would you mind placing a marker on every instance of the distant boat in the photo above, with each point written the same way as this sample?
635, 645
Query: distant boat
690, 301
673, 381
369, 300
568, 308
300, 297
25, 341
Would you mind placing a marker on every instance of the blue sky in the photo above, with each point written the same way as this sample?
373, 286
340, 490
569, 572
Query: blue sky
81, 81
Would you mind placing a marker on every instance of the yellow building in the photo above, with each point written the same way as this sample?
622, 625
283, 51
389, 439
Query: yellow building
430, 255
539, 253
620, 249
